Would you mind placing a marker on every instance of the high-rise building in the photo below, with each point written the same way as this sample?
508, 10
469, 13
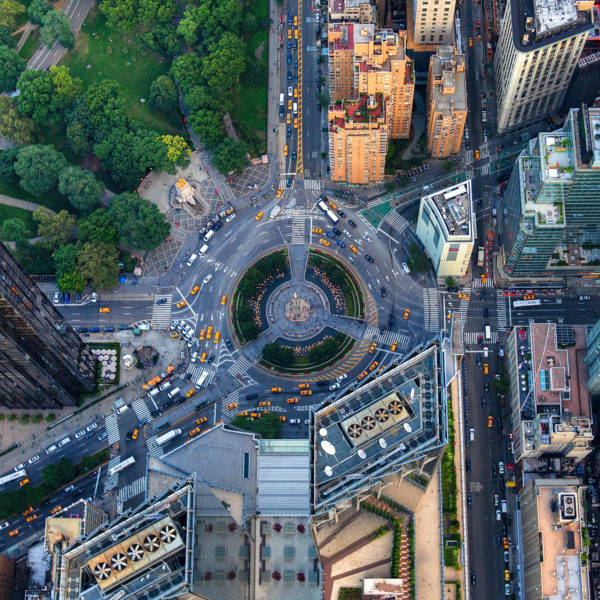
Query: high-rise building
358, 140
359, 11
446, 102
446, 228
549, 402
585, 83
539, 45
551, 206
592, 358
552, 539
432, 21
43, 362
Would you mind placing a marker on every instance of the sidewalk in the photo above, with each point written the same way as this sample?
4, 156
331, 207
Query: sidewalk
10, 201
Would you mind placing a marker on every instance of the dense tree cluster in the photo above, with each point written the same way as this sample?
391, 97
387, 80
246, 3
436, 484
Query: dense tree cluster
124, 15
11, 66
278, 355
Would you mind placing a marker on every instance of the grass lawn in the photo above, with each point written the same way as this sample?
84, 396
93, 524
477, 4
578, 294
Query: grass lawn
122, 57
31, 45
52, 200
12, 212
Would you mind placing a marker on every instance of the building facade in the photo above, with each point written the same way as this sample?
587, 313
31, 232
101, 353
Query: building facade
592, 358
446, 102
358, 11
539, 45
446, 228
433, 21
551, 203
43, 362
549, 401
551, 545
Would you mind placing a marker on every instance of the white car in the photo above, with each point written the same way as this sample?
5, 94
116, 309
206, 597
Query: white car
230, 218
367, 238
498, 515
56, 297
94, 297
34, 459
80, 434
207, 279
194, 356
19, 467
3, 525
91, 426
346, 233
290, 91
496, 499
405, 268
341, 377
294, 421
335, 386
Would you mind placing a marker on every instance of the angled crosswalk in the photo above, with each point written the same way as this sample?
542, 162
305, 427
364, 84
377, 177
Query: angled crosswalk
471, 337
432, 311
312, 184
110, 483
135, 488
197, 369
501, 303
141, 410
387, 338
241, 366
398, 222
228, 415
464, 304
153, 448
485, 169
112, 428
161, 313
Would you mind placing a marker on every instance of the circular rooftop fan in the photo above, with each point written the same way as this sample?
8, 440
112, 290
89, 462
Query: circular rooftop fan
395, 407
168, 534
135, 552
382, 415
354, 430
102, 571
368, 423
151, 543
118, 561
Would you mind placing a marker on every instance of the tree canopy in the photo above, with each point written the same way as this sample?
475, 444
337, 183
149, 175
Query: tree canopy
55, 229
138, 222
56, 27
178, 152
230, 155
8, 158
38, 168
9, 13
17, 128
81, 187
97, 227
163, 93
37, 10
65, 259
71, 282
11, 66
14, 229
97, 263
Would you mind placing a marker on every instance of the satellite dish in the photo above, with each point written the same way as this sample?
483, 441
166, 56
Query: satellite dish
382, 443
407, 427
328, 447
362, 454
328, 471
323, 432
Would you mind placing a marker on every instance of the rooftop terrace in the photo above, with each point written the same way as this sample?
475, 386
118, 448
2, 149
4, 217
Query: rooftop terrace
454, 205
557, 153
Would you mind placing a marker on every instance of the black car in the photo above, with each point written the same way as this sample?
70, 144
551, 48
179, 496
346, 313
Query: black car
289, 19
330, 234
293, 155
320, 383
228, 344
341, 213
494, 470
390, 320
295, 77
289, 59
336, 231
486, 385
486, 312
94, 329
289, 44
108, 329
484, 402
482, 294
468, 463
473, 578
128, 436
352, 223
288, 133
161, 301
294, 44
369, 258
383, 292
210, 358
295, 63
504, 529
469, 500
289, 76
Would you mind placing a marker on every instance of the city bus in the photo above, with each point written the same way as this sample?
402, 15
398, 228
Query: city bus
122, 465
488, 333
12, 476
520, 303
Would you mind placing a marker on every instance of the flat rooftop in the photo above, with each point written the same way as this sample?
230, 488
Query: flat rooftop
345, 36
454, 207
558, 158
553, 15
450, 90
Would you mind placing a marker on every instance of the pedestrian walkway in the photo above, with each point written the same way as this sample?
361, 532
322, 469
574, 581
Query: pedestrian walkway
398, 222
112, 428
471, 337
387, 337
485, 169
298, 255
135, 488
141, 410
161, 313
501, 303
228, 415
431, 302
153, 448
241, 366
31, 206
463, 309
110, 483
299, 229
312, 184
196, 370
489, 282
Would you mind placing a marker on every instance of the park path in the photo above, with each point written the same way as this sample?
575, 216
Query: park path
25, 31
24, 204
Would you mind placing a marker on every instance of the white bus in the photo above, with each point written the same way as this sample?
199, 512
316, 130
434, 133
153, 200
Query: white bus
12, 476
122, 465
488, 333
332, 216
520, 303
202, 378
165, 437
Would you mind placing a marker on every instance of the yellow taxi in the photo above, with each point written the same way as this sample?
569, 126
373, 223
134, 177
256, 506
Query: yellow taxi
229, 211
292, 400
506, 575
353, 248
333, 205
324, 242
490, 421
362, 375
104, 309
470, 42
280, 190
31, 518
283, 418
476, 154
486, 368
464, 296
483, 280
55, 510
194, 290
259, 216
274, 390
317, 230
372, 347
296, 122
231, 406
289, 34
295, 92
202, 334
306, 392
256, 415
406, 314
529, 297
264, 403
285, 150
303, 386
29, 510
209, 332
203, 357
295, 21
135, 434
190, 393
244, 413
24, 482
217, 337
173, 335
288, 120
13, 533
373, 365
295, 34
394, 346
194, 431
505, 543
224, 300
201, 420
290, 101
181, 304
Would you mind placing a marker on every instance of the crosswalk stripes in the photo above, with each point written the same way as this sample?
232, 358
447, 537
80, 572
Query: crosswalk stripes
141, 410
398, 222
228, 415
298, 230
112, 428
386, 338
135, 488
153, 448
196, 370
471, 337
485, 169
489, 282
484, 150
241, 365
282, 183
110, 483
161, 313
312, 184
432, 312
463, 308
501, 303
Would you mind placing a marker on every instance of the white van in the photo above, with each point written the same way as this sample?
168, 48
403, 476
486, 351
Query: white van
164, 386
51, 449
191, 259
69, 488
405, 268
203, 251
64, 442
471, 435
122, 409
486, 352
174, 392
153, 392
209, 235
